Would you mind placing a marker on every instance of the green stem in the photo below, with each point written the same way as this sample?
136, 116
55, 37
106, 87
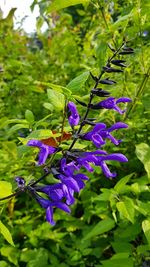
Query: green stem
139, 92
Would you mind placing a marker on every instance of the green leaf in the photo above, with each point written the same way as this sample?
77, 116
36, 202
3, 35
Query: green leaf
5, 232
126, 209
29, 116
77, 83
123, 262
17, 127
56, 99
41, 134
11, 254
146, 229
119, 187
59, 4
5, 189
101, 53
48, 106
100, 228
143, 154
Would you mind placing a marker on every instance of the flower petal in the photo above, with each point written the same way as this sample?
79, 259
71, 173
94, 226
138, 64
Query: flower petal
62, 206
34, 142
123, 100
74, 117
98, 140
43, 155
49, 215
116, 156
68, 193
106, 170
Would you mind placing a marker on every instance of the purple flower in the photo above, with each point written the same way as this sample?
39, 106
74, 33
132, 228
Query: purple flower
48, 205
73, 114
57, 192
111, 103
68, 168
100, 132
100, 161
45, 150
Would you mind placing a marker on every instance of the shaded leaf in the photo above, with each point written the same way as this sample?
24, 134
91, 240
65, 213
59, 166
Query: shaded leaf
100, 228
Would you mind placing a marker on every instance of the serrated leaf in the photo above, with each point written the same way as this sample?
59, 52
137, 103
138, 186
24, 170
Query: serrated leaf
29, 116
100, 228
126, 209
5, 232
59, 4
77, 83
146, 229
5, 189
143, 154
56, 99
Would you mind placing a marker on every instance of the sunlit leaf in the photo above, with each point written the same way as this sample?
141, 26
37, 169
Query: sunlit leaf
5, 232
77, 83
5, 189
143, 154
59, 4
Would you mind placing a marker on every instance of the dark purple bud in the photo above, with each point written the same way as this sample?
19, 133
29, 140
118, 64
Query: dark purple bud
100, 93
94, 77
126, 53
20, 181
119, 63
81, 103
125, 48
88, 122
107, 81
111, 48
109, 69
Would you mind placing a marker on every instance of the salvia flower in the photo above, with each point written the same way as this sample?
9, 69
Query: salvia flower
112, 103
68, 169
100, 161
58, 192
100, 132
73, 117
45, 150
49, 205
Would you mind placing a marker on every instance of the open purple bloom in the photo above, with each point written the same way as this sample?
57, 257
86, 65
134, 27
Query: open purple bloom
100, 132
57, 192
68, 168
100, 161
73, 114
48, 205
111, 103
45, 150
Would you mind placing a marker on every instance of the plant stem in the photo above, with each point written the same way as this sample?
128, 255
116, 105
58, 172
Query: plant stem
91, 98
139, 92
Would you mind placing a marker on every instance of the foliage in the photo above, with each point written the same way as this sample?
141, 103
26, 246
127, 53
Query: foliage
109, 224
